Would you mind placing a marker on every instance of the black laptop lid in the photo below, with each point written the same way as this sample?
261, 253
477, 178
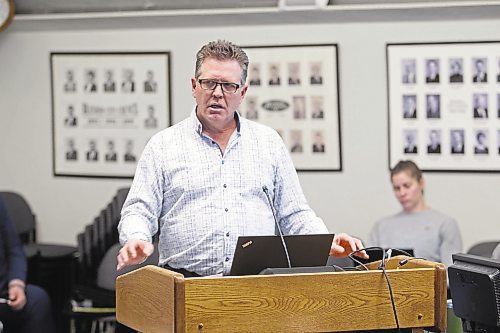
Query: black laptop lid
255, 253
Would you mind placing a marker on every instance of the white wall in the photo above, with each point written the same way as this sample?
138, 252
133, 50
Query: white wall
348, 201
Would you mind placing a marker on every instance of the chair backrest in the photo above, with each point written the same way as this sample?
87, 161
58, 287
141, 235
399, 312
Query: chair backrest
483, 249
21, 215
107, 274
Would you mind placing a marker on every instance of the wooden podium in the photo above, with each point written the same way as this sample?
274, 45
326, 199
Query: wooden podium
153, 299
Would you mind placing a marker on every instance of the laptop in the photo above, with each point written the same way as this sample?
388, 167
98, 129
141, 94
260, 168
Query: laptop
256, 253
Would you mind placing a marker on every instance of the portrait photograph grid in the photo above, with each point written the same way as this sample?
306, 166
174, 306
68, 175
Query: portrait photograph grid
105, 108
294, 89
444, 105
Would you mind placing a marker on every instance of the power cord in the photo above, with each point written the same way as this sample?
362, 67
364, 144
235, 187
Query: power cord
385, 256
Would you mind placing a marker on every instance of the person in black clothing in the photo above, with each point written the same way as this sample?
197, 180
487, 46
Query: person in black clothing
28, 308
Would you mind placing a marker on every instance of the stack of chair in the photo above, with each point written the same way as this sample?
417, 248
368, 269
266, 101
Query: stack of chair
92, 304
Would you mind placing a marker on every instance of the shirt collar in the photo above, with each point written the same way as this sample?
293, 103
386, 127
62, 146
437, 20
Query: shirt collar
198, 126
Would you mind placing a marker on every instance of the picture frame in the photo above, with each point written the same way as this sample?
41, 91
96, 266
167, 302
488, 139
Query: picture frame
444, 105
294, 89
105, 108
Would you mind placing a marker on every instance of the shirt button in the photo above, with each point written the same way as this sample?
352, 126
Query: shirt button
226, 209
225, 185
213, 142
227, 234
227, 258
222, 161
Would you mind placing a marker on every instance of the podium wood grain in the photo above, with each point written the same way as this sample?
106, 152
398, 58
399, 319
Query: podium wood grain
154, 300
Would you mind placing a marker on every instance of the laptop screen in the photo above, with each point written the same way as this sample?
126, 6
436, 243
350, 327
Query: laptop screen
256, 253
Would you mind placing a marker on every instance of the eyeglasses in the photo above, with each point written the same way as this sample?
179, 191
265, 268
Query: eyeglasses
228, 87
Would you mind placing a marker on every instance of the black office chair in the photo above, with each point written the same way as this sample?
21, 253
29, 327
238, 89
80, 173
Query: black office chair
483, 249
21, 215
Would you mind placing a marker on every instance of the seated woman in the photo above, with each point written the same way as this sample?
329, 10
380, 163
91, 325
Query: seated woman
431, 234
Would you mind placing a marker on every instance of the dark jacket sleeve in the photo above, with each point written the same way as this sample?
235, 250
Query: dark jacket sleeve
13, 254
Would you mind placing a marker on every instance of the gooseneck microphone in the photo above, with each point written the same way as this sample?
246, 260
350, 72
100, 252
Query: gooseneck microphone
266, 192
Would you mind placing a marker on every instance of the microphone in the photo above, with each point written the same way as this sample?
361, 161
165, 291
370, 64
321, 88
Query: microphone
266, 192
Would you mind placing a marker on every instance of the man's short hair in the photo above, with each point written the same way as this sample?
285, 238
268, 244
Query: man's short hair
407, 165
222, 50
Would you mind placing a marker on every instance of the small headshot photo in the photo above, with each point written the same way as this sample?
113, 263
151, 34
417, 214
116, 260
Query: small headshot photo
150, 84
317, 108
151, 121
432, 71
293, 73
90, 85
481, 144
70, 119
456, 70
109, 84
410, 106
498, 72
479, 68
252, 112
316, 76
92, 153
129, 152
296, 141
318, 142
498, 141
409, 70
70, 84
254, 75
128, 84
480, 102
274, 75
433, 106
498, 105
434, 143
111, 152
457, 141
299, 107
71, 153
410, 141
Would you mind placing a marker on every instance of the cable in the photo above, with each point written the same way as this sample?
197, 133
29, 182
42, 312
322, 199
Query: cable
382, 267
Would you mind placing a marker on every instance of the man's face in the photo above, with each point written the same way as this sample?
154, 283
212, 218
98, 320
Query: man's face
432, 68
480, 66
433, 103
216, 107
434, 138
457, 138
481, 101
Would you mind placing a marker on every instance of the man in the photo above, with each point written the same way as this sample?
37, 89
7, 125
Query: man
409, 75
200, 181
457, 142
431, 234
70, 84
27, 308
481, 108
432, 71
92, 153
71, 153
433, 107
151, 121
456, 75
71, 119
434, 146
481, 75
410, 146
150, 83
109, 82
90, 85
111, 153
409, 106
481, 146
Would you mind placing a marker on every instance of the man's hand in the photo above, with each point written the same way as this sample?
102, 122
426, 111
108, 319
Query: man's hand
17, 297
343, 244
134, 252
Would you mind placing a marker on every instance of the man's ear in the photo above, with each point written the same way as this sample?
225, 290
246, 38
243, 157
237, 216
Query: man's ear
193, 85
